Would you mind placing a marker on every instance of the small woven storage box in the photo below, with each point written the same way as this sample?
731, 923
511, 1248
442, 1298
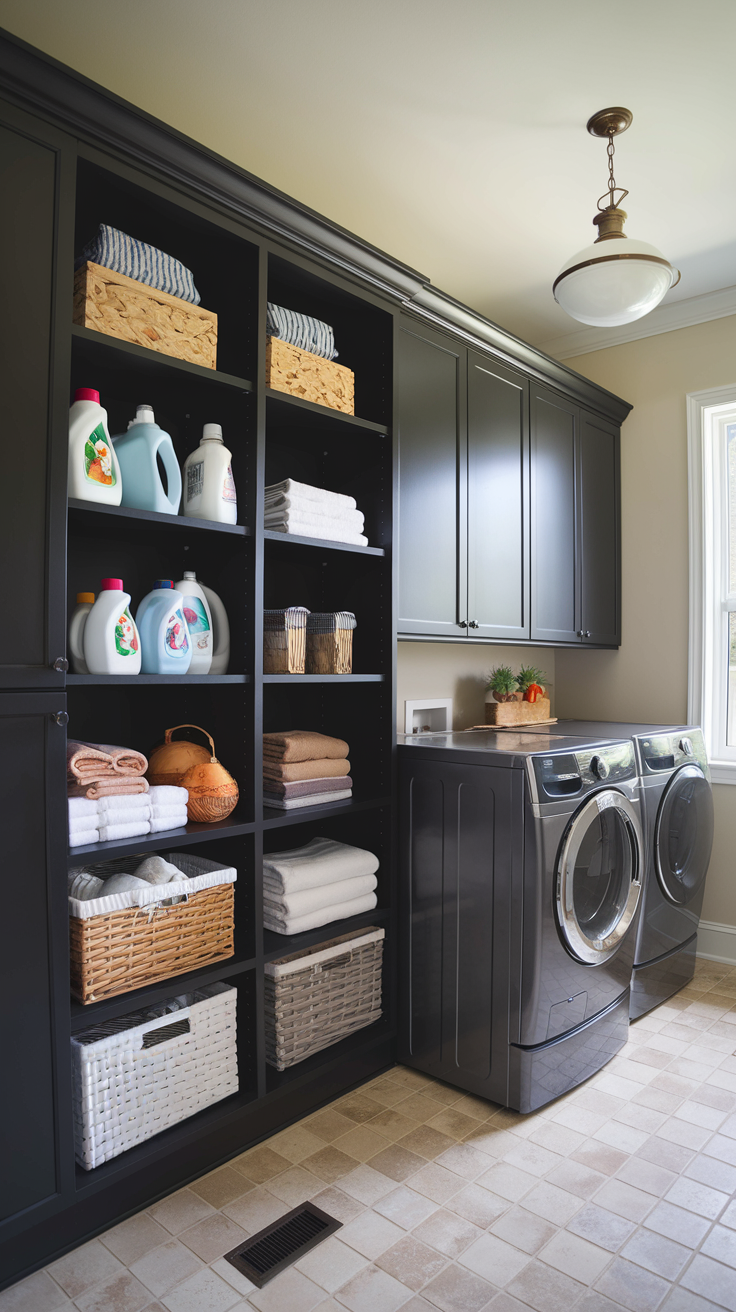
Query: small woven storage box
122, 307
284, 640
301, 373
315, 998
133, 1077
125, 940
330, 642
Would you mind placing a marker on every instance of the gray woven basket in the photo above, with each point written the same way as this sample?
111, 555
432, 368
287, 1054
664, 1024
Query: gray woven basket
315, 998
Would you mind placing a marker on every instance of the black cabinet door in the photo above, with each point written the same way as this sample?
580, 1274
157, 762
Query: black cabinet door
34, 400
455, 874
599, 531
555, 602
431, 484
498, 501
34, 975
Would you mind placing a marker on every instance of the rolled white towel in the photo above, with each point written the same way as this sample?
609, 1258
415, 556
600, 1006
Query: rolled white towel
168, 795
298, 924
111, 833
321, 861
159, 824
316, 899
122, 802
84, 836
81, 806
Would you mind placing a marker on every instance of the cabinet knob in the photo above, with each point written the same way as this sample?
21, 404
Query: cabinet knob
472, 624
61, 665
462, 624
581, 633
61, 718
587, 633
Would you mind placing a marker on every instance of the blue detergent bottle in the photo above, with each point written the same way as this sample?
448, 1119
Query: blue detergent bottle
166, 646
139, 452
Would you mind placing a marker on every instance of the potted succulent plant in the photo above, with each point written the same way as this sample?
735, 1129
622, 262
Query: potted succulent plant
502, 683
530, 682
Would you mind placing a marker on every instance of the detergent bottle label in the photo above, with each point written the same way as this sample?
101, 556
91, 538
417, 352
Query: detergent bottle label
98, 465
126, 639
176, 640
197, 622
228, 487
195, 480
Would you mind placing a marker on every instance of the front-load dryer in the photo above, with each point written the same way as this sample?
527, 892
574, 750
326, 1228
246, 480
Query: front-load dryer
521, 881
677, 804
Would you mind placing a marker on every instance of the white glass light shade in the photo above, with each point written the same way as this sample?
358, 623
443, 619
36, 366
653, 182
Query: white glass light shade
619, 280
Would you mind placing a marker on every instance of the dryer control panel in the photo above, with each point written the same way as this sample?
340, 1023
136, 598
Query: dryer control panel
661, 753
568, 774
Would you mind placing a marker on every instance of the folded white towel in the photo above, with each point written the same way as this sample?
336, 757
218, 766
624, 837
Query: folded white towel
326, 529
287, 510
81, 806
314, 799
79, 823
289, 487
123, 802
289, 905
167, 795
124, 816
298, 924
81, 837
110, 833
321, 861
159, 824
175, 808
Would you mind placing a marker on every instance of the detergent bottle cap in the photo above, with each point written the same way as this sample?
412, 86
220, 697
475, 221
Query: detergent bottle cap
83, 597
164, 583
190, 574
211, 433
111, 585
87, 394
143, 415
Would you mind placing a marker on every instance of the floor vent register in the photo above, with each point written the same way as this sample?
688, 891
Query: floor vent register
282, 1243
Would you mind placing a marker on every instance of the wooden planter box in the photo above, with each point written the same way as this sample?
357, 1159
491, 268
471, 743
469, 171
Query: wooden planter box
301, 373
512, 713
121, 307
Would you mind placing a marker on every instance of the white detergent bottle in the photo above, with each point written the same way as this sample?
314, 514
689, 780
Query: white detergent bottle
220, 632
166, 646
111, 641
139, 452
85, 602
94, 471
199, 621
209, 490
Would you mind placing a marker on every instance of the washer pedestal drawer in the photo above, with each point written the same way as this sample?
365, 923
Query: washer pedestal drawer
657, 980
540, 1074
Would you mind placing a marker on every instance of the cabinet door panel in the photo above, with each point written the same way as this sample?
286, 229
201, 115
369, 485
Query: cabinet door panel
28, 174
555, 606
33, 968
599, 531
498, 460
431, 517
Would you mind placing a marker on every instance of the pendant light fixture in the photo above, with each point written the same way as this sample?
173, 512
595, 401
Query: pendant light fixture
615, 280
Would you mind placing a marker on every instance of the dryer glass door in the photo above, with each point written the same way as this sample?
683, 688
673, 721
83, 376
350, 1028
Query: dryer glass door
684, 835
599, 877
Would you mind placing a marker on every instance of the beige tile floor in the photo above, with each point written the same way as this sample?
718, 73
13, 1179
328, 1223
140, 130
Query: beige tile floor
619, 1195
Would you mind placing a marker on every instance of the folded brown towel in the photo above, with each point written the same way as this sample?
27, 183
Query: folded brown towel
295, 770
86, 761
306, 787
110, 786
303, 745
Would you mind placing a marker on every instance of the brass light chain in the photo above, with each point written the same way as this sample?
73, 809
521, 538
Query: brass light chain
612, 188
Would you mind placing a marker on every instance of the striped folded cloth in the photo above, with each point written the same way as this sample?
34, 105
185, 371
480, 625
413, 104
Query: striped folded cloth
301, 330
115, 250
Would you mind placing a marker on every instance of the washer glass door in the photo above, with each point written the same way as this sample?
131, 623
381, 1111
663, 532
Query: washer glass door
599, 876
684, 835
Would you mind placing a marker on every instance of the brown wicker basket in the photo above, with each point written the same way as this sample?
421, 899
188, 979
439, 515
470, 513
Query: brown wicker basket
284, 640
315, 998
118, 950
330, 642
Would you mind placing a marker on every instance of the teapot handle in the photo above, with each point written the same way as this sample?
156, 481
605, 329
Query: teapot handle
167, 735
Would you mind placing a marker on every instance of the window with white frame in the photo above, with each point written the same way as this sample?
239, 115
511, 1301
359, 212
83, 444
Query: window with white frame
712, 663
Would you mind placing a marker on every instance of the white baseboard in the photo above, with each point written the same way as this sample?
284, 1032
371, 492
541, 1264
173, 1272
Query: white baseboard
717, 942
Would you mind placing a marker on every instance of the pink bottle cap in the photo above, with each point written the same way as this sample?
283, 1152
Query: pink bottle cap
111, 585
87, 394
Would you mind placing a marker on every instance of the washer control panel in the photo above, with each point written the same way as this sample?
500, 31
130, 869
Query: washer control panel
565, 774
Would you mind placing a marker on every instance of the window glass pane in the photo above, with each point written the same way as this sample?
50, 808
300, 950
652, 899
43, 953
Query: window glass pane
731, 449
731, 731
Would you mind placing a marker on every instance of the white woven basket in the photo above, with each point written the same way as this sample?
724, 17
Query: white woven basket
136, 1080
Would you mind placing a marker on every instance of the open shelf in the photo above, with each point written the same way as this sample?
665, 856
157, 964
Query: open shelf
95, 341
323, 678
295, 411
231, 827
154, 519
93, 1013
323, 544
274, 819
128, 680
276, 946
362, 1040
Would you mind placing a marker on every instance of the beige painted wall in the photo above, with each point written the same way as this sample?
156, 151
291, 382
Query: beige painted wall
646, 679
460, 671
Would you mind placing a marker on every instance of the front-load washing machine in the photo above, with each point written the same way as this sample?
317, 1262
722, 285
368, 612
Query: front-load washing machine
521, 875
677, 803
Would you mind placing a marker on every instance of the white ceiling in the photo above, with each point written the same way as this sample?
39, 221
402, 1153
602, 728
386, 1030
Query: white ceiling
451, 135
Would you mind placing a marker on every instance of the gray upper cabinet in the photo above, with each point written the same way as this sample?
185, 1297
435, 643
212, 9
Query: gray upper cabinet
431, 483
555, 605
599, 531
